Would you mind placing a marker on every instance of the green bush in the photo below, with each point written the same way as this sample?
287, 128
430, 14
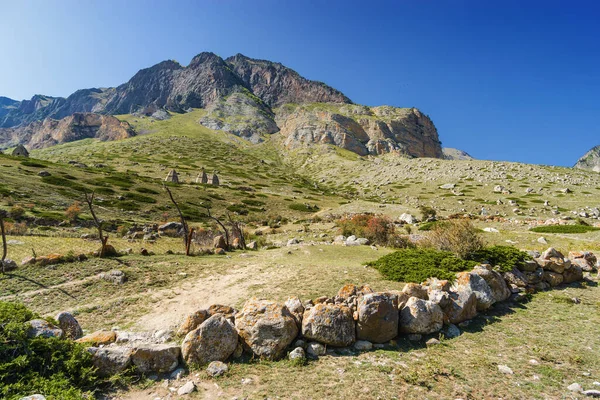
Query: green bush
507, 257
238, 208
33, 164
139, 197
253, 203
57, 368
564, 229
416, 265
303, 207
146, 190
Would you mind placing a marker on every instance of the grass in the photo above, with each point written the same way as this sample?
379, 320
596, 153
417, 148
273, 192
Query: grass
567, 229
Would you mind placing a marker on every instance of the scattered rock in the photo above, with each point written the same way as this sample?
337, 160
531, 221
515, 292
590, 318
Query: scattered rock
575, 387
188, 388
214, 340
219, 242
115, 276
110, 360
432, 342
505, 369
297, 354
316, 349
363, 345
217, 368
98, 338
451, 331
34, 397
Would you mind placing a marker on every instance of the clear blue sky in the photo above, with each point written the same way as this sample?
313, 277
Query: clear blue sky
511, 80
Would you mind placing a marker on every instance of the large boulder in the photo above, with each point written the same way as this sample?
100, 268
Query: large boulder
159, 358
377, 318
497, 284
266, 328
69, 325
573, 274
214, 340
110, 360
552, 278
462, 307
192, 321
42, 328
472, 282
420, 317
330, 324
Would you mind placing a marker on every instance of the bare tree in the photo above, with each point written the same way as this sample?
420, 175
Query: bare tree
218, 221
89, 199
4, 246
237, 231
187, 233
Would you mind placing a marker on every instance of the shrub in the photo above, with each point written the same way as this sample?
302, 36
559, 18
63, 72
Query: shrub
379, 230
416, 265
507, 257
15, 229
139, 197
146, 190
427, 213
73, 211
564, 229
253, 203
238, 209
59, 368
458, 236
303, 207
17, 212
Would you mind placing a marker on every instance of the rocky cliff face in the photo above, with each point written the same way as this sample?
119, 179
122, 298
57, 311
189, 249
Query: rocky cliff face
456, 154
78, 126
590, 160
360, 129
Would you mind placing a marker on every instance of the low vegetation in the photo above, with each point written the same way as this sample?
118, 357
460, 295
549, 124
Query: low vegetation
379, 230
457, 236
564, 229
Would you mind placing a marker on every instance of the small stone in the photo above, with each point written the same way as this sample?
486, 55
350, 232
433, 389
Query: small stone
575, 387
297, 354
542, 240
34, 397
451, 331
188, 388
505, 369
315, 349
363, 345
178, 373
217, 368
534, 362
432, 342
592, 393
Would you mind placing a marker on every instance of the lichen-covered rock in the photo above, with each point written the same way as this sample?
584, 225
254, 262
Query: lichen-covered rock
159, 358
69, 325
472, 282
415, 290
552, 278
110, 360
462, 307
496, 283
329, 324
421, 317
554, 264
515, 277
583, 264
266, 328
227, 311
217, 368
42, 328
214, 340
295, 307
589, 258
377, 318
573, 274
551, 253
192, 321
98, 338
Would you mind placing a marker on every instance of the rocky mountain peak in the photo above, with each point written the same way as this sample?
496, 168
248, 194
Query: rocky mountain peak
590, 160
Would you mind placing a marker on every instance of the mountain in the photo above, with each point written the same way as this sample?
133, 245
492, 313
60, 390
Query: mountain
590, 160
456, 154
78, 126
246, 97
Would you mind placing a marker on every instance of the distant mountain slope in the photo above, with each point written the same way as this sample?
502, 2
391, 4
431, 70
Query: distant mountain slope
590, 160
41, 134
176, 88
456, 154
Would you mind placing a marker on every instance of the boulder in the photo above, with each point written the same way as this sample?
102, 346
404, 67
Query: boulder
330, 324
110, 360
363, 345
496, 283
98, 338
551, 253
377, 318
192, 321
158, 358
573, 274
252, 246
583, 264
554, 264
515, 277
227, 311
407, 219
219, 242
69, 325
415, 290
33, 397
214, 340
266, 328
587, 256
552, 278
420, 317
171, 226
115, 276
42, 328
295, 307
462, 307
439, 297
472, 282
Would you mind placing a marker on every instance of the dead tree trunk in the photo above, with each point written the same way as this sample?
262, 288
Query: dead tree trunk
221, 225
236, 229
4, 246
89, 199
187, 234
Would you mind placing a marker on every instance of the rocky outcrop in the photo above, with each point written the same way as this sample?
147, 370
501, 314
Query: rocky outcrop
456, 154
78, 126
360, 129
590, 160
277, 84
241, 114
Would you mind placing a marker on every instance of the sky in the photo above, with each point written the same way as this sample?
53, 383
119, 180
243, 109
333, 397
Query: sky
515, 80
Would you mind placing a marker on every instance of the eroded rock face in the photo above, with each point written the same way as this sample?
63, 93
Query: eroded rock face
590, 161
214, 340
420, 317
329, 324
377, 318
360, 129
266, 328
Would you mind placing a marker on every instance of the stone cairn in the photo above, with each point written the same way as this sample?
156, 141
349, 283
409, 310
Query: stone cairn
20, 151
356, 319
204, 179
172, 176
